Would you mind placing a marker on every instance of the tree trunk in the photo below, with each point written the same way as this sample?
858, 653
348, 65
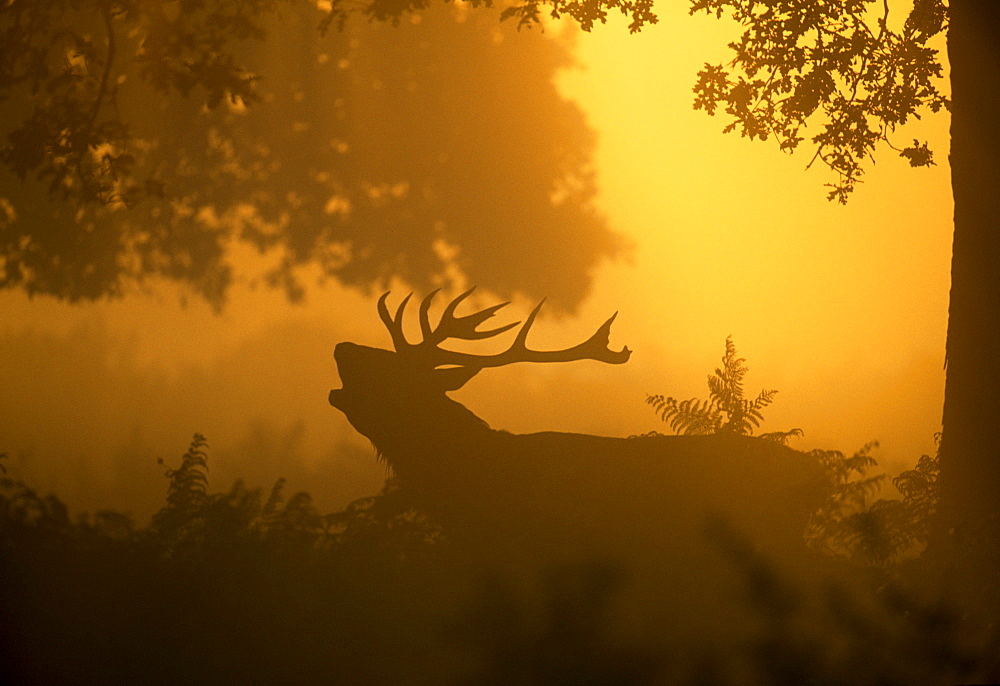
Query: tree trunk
970, 450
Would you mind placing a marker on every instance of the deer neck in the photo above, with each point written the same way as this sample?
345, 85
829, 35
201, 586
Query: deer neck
440, 435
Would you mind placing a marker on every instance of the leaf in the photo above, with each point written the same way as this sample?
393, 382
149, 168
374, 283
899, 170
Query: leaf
918, 154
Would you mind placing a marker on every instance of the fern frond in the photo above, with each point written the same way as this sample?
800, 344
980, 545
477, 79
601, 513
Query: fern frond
718, 388
689, 417
696, 417
726, 411
921, 480
763, 400
782, 437
657, 401
189, 482
274, 499
726, 387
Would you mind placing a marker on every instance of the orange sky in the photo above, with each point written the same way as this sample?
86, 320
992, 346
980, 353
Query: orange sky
842, 309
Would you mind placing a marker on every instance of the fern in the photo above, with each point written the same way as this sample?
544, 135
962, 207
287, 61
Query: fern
919, 488
781, 437
726, 411
189, 482
687, 416
181, 522
849, 525
274, 501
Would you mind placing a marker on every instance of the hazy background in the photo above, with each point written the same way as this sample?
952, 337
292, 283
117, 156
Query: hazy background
842, 309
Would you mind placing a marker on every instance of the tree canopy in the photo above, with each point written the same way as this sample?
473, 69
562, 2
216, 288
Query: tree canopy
852, 68
840, 60
145, 138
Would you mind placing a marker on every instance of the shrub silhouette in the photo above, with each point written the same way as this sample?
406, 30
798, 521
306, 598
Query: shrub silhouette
881, 532
849, 524
234, 587
220, 587
726, 411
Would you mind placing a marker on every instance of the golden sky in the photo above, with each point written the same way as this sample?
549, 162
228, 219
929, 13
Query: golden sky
842, 309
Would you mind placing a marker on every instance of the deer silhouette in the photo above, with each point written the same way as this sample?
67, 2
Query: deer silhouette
554, 496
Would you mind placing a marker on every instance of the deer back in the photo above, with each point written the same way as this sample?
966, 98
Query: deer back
475, 478
552, 498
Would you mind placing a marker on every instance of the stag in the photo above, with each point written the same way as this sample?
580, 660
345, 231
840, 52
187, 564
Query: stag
554, 496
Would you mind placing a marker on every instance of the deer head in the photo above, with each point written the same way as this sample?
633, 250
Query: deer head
397, 398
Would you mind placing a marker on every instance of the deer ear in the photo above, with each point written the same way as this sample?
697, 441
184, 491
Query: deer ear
453, 378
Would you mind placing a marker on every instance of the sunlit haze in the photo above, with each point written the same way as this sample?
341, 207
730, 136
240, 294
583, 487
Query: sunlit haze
841, 309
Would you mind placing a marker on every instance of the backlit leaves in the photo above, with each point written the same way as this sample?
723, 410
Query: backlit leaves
839, 65
845, 66
585, 12
145, 139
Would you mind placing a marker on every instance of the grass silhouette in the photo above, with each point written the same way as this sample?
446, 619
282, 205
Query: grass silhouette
240, 586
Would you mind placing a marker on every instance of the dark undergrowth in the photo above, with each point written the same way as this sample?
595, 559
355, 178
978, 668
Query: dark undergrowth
243, 587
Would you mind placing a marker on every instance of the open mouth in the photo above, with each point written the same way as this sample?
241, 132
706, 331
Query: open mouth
337, 397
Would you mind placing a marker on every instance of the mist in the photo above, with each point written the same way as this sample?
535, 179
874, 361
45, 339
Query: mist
244, 381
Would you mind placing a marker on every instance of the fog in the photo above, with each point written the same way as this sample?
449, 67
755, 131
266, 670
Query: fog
209, 214
841, 309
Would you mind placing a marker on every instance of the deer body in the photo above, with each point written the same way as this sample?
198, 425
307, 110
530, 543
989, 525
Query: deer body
549, 498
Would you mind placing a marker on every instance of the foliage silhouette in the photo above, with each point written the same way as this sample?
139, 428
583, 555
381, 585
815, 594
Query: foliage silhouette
143, 139
841, 65
219, 588
525, 502
878, 533
265, 592
726, 411
848, 524
861, 630
795, 61
843, 525
25, 511
568, 632
188, 486
860, 73
920, 491
194, 519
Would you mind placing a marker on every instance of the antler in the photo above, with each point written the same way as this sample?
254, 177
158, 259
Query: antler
466, 328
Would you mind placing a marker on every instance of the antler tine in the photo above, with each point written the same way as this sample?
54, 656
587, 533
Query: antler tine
521, 340
394, 324
449, 310
425, 323
465, 327
598, 345
594, 348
